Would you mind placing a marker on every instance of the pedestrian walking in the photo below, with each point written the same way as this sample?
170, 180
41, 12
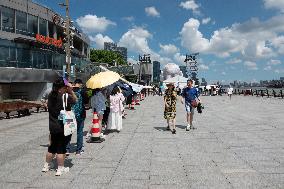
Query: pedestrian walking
190, 98
58, 141
116, 109
170, 100
230, 92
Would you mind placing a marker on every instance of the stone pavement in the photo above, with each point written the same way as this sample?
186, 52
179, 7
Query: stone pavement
237, 144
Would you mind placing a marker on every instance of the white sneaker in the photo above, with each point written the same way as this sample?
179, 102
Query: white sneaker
102, 135
88, 135
45, 168
187, 127
61, 170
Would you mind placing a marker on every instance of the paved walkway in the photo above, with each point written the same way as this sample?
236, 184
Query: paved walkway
238, 144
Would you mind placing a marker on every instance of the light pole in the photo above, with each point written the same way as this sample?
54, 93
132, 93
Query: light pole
67, 45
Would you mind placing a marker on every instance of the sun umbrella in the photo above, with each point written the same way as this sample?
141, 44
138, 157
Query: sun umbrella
102, 79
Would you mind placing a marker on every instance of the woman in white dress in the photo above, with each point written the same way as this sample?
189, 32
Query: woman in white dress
116, 110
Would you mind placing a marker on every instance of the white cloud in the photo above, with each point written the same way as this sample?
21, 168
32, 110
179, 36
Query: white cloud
267, 68
131, 60
234, 61
179, 59
251, 65
136, 40
278, 43
274, 62
168, 49
206, 20
128, 18
253, 39
203, 67
193, 39
279, 71
152, 11
93, 24
190, 5
99, 40
274, 4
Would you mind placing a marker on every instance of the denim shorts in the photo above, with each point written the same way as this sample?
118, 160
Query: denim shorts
189, 108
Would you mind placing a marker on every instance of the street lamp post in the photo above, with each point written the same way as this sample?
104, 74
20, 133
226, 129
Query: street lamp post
67, 45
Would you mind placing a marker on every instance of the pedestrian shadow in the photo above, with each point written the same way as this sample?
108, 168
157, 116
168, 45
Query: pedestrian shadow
44, 145
181, 126
161, 128
72, 147
85, 133
68, 163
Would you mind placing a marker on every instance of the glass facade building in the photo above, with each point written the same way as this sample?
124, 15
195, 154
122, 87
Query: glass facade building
19, 47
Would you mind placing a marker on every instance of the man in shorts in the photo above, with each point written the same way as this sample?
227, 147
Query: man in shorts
189, 94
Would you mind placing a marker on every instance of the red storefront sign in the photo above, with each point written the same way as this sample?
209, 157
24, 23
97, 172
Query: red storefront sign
49, 40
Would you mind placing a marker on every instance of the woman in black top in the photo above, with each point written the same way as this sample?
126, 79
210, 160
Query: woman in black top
58, 141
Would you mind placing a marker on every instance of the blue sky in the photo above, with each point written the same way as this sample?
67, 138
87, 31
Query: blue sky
237, 39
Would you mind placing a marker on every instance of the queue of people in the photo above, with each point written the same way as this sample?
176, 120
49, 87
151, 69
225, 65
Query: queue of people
67, 108
74, 100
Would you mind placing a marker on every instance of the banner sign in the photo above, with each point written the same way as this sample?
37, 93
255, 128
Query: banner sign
49, 40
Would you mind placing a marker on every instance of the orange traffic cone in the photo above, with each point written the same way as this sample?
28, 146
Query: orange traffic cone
142, 96
95, 130
133, 103
137, 100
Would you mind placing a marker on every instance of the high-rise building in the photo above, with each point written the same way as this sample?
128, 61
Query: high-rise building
203, 82
156, 71
113, 47
183, 70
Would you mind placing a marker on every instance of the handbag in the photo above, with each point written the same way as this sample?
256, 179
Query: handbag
68, 118
194, 103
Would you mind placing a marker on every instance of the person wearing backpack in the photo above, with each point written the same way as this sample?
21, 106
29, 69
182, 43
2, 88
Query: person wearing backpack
80, 114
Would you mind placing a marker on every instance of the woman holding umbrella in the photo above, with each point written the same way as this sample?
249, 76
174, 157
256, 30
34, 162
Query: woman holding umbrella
170, 100
97, 83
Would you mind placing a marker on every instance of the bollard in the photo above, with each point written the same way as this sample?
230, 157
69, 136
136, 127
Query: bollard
267, 93
262, 94
274, 93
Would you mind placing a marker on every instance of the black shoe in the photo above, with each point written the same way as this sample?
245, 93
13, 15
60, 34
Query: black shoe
193, 128
174, 131
168, 128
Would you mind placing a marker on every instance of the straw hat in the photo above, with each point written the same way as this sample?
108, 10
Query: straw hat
170, 84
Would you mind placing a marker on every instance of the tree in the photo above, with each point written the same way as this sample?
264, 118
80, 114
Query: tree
103, 56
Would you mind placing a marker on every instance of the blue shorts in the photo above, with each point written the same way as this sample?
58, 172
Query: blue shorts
189, 108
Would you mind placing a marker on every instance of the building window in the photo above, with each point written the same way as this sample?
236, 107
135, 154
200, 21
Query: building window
50, 29
8, 19
24, 58
42, 27
21, 23
32, 25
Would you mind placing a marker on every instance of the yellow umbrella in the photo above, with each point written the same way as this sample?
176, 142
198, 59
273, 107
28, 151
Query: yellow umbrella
102, 79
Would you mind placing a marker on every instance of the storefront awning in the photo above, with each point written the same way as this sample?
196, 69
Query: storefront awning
11, 75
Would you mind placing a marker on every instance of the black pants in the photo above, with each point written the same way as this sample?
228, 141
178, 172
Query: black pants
106, 113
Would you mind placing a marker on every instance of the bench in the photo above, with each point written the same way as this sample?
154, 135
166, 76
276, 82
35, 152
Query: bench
20, 106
